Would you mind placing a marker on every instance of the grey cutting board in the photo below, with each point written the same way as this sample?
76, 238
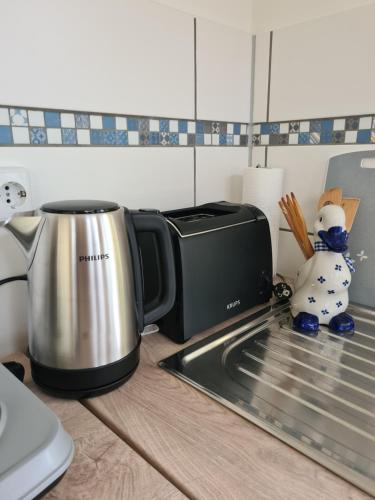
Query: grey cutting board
346, 171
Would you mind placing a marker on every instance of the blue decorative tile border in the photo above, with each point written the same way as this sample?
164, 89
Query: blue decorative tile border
47, 127
337, 130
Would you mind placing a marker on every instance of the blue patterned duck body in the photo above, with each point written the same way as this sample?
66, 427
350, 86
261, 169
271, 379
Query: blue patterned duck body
322, 283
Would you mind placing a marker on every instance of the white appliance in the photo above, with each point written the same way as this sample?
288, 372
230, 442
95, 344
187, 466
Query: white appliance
35, 450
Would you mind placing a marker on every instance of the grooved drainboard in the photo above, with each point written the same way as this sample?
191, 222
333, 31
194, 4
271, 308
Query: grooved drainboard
315, 393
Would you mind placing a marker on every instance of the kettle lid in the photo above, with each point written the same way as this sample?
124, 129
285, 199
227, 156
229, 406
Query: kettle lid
79, 207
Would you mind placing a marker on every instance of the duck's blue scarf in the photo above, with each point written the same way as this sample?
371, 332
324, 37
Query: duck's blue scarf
320, 246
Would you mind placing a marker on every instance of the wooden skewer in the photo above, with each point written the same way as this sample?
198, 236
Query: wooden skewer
296, 221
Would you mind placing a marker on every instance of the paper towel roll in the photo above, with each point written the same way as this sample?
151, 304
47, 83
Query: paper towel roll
262, 187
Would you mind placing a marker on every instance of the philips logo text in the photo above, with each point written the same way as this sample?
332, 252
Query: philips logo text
89, 258
233, 304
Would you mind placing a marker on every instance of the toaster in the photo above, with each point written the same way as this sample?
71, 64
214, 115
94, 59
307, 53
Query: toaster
223, 261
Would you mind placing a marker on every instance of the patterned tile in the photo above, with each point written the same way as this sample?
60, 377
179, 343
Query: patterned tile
304, 126
164, 125
223, 127
315, 126
96, 137
69, 136
154, 125
164, 137
18, 117
109, 122
154, 138
373, 136
173, 138
121, 137
199, 127
230, 139
222, 139
199, 139
207, 127
326, 137
363, 136
274, 128
304, 138
5, 135
265, 128
338, 137
314, 138
144, 125
109, 136
38, 135
144, 137
191, 139
256, 139
237, 128
82, 120
293, 127
215, 128
182, 126
133, 124
52, 119
352, 123
243, 140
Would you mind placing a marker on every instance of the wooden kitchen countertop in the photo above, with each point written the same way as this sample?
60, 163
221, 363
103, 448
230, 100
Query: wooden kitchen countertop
158, 437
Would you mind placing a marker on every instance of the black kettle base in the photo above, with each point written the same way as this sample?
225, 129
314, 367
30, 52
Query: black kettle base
84, 383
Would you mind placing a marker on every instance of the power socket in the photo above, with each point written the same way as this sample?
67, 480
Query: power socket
15, 191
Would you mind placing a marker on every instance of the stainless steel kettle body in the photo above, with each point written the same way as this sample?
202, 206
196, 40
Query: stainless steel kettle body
86, 307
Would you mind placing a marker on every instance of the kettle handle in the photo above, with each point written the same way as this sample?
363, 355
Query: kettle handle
151, 221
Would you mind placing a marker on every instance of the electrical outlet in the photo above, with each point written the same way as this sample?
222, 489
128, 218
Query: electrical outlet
15, 191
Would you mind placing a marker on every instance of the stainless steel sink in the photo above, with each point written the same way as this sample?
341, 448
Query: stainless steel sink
315, 393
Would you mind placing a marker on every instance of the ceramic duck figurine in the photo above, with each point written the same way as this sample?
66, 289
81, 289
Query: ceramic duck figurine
321, 295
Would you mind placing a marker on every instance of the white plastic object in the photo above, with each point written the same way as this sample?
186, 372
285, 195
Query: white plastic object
15, 191
35, 449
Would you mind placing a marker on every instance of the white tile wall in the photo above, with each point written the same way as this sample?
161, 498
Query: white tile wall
290, 256
305, 172
115, 56
322, 68
219, 173
262, 46
223, 72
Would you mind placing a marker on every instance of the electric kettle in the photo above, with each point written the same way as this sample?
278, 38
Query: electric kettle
85, 291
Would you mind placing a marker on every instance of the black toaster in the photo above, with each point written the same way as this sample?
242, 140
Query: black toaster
223, 260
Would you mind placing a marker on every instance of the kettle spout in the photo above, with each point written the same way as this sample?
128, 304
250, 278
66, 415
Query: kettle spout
25, 228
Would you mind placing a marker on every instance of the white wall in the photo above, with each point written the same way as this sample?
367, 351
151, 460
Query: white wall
236, 13
120, 56
311, 79
274, 14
